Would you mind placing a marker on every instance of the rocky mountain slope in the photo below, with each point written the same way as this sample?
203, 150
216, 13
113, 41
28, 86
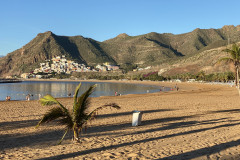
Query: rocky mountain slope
207, 61
162, 50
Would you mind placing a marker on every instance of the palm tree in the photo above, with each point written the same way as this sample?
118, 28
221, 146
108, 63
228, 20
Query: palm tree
234, 59
76, 119
201, 75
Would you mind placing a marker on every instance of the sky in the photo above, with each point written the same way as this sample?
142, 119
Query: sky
22, 20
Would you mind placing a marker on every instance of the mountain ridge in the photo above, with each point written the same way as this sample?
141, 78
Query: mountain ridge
147, 49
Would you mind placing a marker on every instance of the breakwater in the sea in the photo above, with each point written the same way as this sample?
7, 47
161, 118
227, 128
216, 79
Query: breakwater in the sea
10, 81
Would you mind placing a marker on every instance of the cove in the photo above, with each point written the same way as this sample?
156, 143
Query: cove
36, 89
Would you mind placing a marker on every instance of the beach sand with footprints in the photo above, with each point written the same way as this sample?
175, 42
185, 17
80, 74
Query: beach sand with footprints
200, 121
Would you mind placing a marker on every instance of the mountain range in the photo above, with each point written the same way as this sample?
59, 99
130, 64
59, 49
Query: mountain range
188, 52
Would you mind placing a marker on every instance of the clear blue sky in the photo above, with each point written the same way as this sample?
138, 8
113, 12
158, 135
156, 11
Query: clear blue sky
22, 20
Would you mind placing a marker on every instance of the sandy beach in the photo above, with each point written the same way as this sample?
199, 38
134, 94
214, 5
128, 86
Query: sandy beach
200, 121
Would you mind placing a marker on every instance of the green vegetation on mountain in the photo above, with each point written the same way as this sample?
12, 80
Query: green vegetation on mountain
165, 51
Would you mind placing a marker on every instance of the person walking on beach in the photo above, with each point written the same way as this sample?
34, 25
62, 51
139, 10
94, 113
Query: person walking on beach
8, 98
28, 97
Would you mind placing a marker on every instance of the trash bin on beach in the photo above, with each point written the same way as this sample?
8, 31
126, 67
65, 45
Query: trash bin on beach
136, 119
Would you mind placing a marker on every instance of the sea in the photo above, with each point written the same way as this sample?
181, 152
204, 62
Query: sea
59, 89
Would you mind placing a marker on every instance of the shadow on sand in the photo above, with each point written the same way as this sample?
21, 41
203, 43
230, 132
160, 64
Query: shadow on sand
130, 113
51, 137
185, 156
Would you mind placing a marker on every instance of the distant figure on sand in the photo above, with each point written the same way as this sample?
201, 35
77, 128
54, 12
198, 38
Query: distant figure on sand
8, 98
117, 94
28, 97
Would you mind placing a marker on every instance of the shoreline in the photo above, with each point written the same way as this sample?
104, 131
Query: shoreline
200, 121
183, 86
146, 83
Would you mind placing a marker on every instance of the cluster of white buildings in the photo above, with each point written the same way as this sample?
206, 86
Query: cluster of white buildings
140, 69
62, 65
106, 67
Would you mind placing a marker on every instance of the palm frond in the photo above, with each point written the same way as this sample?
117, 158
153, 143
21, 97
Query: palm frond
47, 100
234, 55
226, 50
226, 59
63, 136
76, 94
234, 52
113, 105
82, 104
67, 120
50, 100
51, 115
94, 112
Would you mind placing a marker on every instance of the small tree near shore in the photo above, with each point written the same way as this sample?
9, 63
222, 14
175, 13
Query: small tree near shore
74, 120
235, 60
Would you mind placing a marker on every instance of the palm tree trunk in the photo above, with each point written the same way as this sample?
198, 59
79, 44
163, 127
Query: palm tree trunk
237, 79
75, 135
236, 75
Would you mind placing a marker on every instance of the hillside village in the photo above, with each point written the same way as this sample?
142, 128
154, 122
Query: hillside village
61, 65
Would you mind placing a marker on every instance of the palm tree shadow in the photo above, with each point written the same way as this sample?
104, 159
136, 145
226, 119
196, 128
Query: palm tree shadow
17, 124
130, 113
207, 151
187, 155
181, 125
123, 126
228, 110
40, 139
53, 136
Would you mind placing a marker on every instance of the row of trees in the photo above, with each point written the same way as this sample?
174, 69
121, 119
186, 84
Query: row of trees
202, 76
153, 76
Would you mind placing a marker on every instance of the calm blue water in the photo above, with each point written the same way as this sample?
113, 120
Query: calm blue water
18, 91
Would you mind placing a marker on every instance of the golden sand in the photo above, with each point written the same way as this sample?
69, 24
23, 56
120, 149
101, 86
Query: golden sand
200, 121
